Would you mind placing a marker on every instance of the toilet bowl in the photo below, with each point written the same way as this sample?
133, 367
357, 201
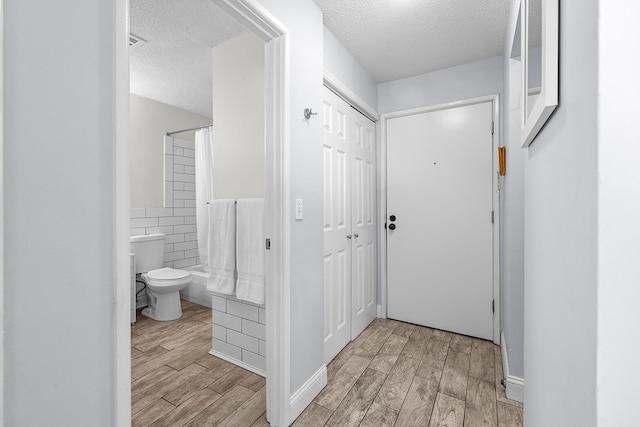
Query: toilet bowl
163, 284
163, 293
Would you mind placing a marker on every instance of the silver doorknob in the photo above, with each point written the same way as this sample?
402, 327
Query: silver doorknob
355, 235
349, 236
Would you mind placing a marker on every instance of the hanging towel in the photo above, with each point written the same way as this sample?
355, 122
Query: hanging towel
204, 190
221, 245
250, 250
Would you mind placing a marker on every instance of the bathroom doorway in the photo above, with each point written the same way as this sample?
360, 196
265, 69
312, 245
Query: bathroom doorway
275, 315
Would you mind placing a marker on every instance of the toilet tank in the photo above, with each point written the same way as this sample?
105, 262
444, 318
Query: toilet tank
149, 251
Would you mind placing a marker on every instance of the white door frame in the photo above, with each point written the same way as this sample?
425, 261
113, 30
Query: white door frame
494, 99
277, 212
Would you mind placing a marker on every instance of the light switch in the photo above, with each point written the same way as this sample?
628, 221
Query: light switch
299, 209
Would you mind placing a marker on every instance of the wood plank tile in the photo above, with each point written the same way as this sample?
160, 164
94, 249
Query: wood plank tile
210, 361
190, 357
417, 343
388, 354
354, 406
184, 391
221, 408
150, 379
418, 405
227, 381
404, 329
189, 409
331, 396
187, 375
261, 422
140, 369
249, 412
461, 343
509, 415
197, 330
395, 388
482, 360
441, 335
145, 356
157, 409
501, 394
379, 416
313, 416
480, 408
433, 360
135, 353
253, 381
454, 375
374, 343
447, 412
163, 336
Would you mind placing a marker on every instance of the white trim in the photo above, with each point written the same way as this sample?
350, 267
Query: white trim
349, 96
496, 201
309, 390
278, 201
238, 362
381, 313
1, 213
514, 385
122, 272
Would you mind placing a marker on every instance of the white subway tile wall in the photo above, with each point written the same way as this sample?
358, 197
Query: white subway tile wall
239, 331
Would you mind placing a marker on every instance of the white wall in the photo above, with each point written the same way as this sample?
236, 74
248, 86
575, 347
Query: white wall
238, 115
560, 238
618, 214
150, 121
465, 81
339, 62
59, 199
304, 21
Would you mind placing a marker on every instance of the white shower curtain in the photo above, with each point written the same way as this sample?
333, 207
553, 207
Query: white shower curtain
204, 189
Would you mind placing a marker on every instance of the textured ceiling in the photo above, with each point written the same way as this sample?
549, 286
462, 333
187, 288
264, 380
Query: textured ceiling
174, 65
393, 39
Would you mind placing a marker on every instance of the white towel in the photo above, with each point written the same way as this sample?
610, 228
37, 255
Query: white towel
250, 250
221, 246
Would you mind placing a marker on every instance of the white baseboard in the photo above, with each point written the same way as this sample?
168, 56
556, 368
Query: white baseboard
515, 385
309, 390
238, 363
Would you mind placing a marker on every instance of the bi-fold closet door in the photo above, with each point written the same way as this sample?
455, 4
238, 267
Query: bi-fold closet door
349, 223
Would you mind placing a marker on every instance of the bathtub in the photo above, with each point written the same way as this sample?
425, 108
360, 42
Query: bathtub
197, 291
238, 327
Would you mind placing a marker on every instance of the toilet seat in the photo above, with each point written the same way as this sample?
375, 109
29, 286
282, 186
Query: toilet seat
166, 273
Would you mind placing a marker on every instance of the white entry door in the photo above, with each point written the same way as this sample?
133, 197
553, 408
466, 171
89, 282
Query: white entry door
349, 223
440, 219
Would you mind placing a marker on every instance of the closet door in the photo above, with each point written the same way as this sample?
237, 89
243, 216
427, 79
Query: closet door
337, 225
349, 223
363, 223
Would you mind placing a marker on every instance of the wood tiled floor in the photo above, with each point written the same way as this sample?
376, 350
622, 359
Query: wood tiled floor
398, 374
393, 374
175, 382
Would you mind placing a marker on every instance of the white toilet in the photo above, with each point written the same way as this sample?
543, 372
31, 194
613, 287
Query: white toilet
163, 284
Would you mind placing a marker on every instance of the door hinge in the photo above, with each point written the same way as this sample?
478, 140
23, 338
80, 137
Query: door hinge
268, 244
492, 127
492, 217
493, 306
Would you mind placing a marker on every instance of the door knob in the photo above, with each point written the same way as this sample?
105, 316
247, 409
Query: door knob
349, 236
392, 218
355, 235
392, 226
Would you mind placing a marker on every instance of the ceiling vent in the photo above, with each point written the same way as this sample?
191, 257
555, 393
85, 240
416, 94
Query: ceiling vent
135, 41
